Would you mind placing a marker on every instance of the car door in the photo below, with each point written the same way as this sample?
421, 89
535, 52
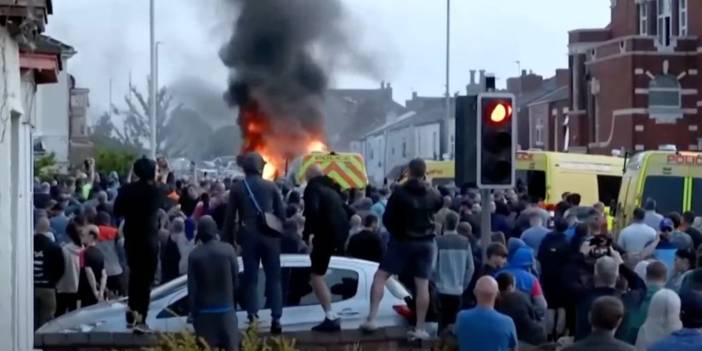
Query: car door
302, 309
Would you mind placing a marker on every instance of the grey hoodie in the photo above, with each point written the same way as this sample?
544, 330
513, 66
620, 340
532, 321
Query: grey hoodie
71, 274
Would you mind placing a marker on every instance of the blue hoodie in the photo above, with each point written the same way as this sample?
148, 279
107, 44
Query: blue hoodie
521, 261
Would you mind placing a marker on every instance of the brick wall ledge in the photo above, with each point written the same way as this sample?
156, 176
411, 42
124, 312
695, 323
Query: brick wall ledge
385, 339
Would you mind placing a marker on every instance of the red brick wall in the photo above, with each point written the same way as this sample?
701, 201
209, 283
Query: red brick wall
624, 19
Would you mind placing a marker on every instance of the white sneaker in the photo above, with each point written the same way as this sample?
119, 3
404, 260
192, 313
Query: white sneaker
368, 327
418, 334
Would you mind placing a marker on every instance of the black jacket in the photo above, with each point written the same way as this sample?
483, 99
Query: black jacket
242, 218
411, 209
138, 203
48, 262
518, 307
554, 254
325, 215
366, 245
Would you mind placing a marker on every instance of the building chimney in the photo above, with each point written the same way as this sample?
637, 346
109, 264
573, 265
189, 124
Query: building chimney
414, 95
382, 84
524, 72
472, 77
482, 78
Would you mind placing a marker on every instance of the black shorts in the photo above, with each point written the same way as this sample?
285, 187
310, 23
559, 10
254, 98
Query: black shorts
320, 257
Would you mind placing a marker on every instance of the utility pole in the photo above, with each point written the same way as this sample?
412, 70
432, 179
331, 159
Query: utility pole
152, 81
109, 108
447, 118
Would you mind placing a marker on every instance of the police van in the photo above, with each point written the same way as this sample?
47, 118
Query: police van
347, 169
673, 179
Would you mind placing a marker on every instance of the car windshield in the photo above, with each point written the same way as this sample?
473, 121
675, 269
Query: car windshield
167, 289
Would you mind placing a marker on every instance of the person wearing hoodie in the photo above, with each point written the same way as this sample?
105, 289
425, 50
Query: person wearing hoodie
249, 199
517, 306
662, 319
453, 270
174, 256
637, 306
326, 222
520, 264
139, 203
67, 287
212, 282
48, 269
409, 217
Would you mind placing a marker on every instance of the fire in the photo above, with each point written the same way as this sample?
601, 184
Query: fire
278, 143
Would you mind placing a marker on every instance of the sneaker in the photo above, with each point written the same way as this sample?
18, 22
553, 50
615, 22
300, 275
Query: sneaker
368, 327
131, 319
142, 328
276, 328
328, 326
418, 335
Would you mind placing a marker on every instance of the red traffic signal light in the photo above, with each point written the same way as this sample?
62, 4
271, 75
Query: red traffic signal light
498, 111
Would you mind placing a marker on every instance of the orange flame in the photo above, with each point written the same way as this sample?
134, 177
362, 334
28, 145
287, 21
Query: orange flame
277, 144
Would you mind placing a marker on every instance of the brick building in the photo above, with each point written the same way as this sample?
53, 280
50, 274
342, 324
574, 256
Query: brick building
635, 85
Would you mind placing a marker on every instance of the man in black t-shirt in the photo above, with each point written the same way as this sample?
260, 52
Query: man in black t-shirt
93, 277
367, 244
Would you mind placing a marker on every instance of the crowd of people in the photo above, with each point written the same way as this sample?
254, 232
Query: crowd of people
544, 279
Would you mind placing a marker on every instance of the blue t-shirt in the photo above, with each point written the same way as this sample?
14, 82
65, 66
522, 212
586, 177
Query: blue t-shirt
483, 329
681, 340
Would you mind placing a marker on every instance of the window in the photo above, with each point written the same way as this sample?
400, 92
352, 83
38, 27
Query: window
696, 195
682, 19
664, 96
643, 18
297, 291
435, 145
539, 134
665, 21
667, 191
608, 188
404, 149
534, 182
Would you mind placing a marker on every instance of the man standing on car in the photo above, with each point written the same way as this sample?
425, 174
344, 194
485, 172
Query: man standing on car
328, 224
212, 281
138, 203
409, 217
259, 245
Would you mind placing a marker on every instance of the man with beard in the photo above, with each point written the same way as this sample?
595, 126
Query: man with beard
328, 224
138, 203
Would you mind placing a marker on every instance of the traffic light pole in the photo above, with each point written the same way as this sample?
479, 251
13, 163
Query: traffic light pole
485, 220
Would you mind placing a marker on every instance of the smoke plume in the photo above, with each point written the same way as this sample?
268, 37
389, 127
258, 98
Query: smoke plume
280, 55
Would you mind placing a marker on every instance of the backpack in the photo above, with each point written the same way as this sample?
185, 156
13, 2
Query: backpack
553, 254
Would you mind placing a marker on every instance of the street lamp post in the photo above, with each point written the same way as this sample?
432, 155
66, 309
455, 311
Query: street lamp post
152, 81
447, 117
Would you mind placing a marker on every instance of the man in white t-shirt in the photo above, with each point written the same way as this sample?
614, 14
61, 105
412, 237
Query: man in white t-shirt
633, 239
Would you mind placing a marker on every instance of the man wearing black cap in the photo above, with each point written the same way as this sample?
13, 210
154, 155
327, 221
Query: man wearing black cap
249, 200
212, 280
138, 203
689, 338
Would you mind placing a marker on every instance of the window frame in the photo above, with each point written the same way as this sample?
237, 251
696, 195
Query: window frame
665, 22
674, 110
683, 19
643, 18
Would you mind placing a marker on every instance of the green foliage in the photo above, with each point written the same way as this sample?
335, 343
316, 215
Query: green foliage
119, 161
251, 342
45, 167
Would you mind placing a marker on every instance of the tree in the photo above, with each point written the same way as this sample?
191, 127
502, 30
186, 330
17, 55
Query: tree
119, 161
136, 129
45, 167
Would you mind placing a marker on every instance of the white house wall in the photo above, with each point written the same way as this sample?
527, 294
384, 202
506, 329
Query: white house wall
53, 116
374, 155
400, 147
16, 328
428, 141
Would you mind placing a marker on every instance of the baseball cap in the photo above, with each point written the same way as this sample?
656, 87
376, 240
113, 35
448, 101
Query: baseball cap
666, 225
691, 309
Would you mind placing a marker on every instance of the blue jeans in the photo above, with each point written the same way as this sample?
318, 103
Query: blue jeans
262, 250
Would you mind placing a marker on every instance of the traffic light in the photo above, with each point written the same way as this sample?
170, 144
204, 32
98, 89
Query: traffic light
496, 141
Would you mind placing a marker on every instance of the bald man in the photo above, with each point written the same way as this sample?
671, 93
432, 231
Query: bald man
482, 328
328, 224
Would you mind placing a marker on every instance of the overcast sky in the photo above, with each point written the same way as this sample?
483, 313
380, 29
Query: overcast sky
407, 38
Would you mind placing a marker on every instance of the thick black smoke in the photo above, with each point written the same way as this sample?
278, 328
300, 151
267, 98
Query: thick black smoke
277, 54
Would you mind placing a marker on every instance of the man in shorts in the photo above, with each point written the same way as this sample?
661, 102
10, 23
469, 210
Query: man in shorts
327, 223
409, 217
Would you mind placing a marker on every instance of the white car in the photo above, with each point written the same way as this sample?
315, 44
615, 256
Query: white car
349, 280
